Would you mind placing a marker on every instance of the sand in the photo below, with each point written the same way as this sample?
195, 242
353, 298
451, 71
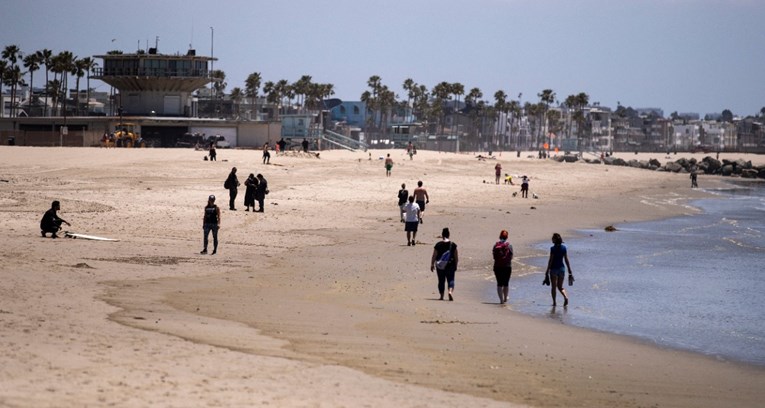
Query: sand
319, 301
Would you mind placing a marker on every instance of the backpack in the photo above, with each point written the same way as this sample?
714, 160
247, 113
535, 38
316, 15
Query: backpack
227, 183
502, 253
445, 258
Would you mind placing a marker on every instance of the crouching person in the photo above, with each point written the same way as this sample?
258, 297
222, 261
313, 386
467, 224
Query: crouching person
51, 222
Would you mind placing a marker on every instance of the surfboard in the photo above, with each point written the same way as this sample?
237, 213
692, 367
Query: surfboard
90, 237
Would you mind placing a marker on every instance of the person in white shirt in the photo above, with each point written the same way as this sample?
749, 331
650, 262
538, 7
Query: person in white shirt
412, 217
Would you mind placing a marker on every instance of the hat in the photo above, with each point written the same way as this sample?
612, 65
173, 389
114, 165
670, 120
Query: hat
211, 198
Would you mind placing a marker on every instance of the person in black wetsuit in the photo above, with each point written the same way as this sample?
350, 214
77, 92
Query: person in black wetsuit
232, 184
260, 191
51, 222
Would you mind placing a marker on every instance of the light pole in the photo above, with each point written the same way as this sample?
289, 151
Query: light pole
212, 57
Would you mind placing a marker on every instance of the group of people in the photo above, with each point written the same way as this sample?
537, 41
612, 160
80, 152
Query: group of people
256, 189
445, 259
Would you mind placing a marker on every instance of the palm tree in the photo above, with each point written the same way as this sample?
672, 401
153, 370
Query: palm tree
500, 105
272, 95
285, 91
302, 87
546, 98
12, 53
79, 71
441, 92
251, 86
32, 64
457, 89
45, 56
89, 65
3, 68
236, 97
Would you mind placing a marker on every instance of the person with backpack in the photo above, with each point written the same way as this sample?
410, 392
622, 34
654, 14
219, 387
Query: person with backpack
503, 259
444, 262
403, 195
231, 184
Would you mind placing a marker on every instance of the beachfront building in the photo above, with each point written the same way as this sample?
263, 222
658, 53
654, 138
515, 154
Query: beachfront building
686, 136
153, 84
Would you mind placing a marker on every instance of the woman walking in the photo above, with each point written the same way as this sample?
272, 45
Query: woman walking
503, 259
556, 271
445, 265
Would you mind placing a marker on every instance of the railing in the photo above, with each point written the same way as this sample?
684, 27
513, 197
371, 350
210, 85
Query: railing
342, 141
151, 72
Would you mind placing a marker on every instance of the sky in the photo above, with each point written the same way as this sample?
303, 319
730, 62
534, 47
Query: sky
699, 56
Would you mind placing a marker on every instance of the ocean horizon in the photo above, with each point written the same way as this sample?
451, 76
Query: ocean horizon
689, 282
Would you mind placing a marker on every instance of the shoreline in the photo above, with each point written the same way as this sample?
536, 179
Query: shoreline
305, 290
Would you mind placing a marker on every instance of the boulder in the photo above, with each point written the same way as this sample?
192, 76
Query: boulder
655, 163
727, 170
714, 166
673, 167
634, 163
761, 172
749, 173
570, 158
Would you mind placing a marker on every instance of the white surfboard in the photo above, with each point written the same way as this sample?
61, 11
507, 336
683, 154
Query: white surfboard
90, 237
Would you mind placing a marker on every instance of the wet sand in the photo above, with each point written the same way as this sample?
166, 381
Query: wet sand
318, 301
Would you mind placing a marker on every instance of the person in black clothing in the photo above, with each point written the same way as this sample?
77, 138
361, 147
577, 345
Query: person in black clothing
232, 183
249, 193
445, 275
51, 222
260, 192
213, 153
211, 222
305, 145
403, 195
282, 144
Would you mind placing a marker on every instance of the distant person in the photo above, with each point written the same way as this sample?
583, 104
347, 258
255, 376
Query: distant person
51, 222
412, 220
497, 172
260, 192
211, 222
445, 274
509, 179
266, 154
556, 270
694, 179
525, 187
232, 184
403, 195
502, 252
249, 193
282, 144
388, 165
213, 153
421, 197
305, 145
410, 150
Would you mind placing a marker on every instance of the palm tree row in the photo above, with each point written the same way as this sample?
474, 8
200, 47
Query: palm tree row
307, 94
63, 65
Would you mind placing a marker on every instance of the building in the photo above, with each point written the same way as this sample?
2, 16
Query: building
153, 84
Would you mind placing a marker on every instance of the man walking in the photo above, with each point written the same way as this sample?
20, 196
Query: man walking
413, 214
211, 222
232, 183
422, 198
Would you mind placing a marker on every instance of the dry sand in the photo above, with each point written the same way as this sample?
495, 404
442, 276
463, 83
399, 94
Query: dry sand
318, 301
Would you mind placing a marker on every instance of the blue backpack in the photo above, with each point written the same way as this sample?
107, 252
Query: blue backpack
445, 258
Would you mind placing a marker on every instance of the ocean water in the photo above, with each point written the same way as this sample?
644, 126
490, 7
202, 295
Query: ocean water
692, 282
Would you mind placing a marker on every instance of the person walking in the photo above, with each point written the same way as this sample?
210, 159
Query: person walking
497, 172
232, 184
249, 193
213, 153
266, 154
403, 195
411, 221
525, 187
51, 222
388, 165
694, 179
211, 222
502, 252
556, 271
445, 270
421, 197
260, 192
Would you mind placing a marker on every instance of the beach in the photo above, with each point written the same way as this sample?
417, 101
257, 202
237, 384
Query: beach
318, 301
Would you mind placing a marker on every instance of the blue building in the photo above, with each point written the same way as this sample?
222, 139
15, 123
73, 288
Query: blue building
351, 113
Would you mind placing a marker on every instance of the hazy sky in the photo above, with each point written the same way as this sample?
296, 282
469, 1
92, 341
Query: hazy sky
679, 55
